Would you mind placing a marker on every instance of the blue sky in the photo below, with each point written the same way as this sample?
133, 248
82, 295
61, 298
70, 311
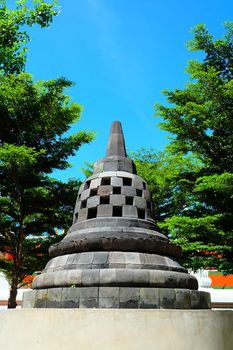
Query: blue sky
121, 54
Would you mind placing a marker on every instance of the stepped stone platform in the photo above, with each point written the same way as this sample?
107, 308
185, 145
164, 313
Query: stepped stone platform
113, 255
125, 329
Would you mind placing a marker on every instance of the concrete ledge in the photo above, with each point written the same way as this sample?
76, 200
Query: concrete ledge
113, 329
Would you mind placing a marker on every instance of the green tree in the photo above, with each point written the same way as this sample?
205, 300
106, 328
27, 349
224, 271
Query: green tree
13, 34
35, 118
200, 120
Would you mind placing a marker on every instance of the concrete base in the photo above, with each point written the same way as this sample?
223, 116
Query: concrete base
114, 329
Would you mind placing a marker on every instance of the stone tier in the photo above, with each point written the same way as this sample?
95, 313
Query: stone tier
110, 239
117, 297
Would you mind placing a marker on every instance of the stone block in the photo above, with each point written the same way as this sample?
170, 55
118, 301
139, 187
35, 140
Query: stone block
86, 258
90, 277
41, 298
61, 260
110, 166
149, 293
199, 300
149, 303
182, 299
105, 190
82, 215
117, 199
70, 298
116, 258
88, 293
130, 211
154, 260
124, 277
88, 297
132, 258
126, 165
105, 210
108, 174
95, 183
29, 299
129, 298
81, 188
48, 279
54, 298
116, 181
128, 191
28, 304
141, 277
100, 258
94, 176
109, 292
93, 201
139, 202
167, 297
205, 300
60, 278
109, 303
85, 194
88, 303
77, 206
98, 167
125, 174
149, 215
137, 183
74, 277
157, 278
146, 195
73, 259
108, 277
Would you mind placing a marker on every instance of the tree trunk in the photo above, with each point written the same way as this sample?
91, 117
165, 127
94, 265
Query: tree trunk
13, 291
18, 260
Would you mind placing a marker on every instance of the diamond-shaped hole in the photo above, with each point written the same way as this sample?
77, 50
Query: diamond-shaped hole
116, 190
106, 181
104, 200
129, 200
83, 204
93, 192
92, 213
139, 193
141, 213
117, 211
127, 181
87, 185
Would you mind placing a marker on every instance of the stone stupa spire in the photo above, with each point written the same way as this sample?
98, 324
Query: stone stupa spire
113, 255
116, 142
116, 158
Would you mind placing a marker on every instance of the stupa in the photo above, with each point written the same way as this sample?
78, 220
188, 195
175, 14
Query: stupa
113, 255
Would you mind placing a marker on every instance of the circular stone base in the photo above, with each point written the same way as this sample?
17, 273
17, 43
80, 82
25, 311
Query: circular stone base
117, 297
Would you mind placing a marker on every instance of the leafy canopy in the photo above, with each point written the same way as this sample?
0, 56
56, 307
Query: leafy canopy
13, 34
35, 118
200, 121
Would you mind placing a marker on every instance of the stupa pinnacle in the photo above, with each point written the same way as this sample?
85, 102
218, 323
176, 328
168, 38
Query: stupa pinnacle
113, 255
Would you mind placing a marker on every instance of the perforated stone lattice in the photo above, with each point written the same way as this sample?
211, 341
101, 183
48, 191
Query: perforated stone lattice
113, 194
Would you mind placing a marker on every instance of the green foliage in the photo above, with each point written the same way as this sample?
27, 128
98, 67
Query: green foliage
35, 118
200, 121
13, 36
170, 179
